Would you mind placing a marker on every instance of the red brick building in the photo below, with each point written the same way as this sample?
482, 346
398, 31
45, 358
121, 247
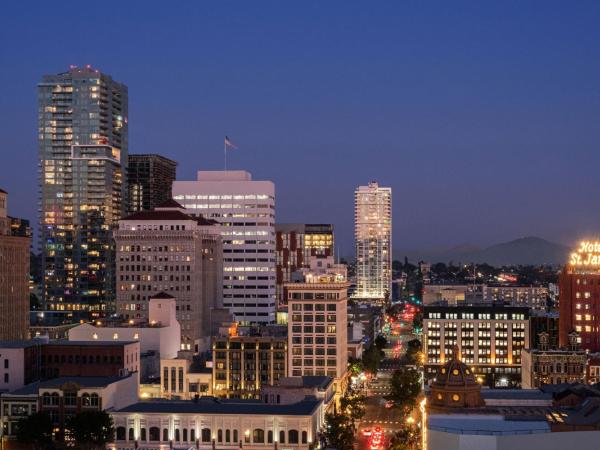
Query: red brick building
295, 244
87, 359
579, 294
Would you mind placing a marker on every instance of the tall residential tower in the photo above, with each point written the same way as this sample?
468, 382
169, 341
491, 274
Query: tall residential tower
245, 208
373, 240
83, 162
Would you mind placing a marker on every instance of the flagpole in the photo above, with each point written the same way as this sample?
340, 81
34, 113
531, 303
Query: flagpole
225, 154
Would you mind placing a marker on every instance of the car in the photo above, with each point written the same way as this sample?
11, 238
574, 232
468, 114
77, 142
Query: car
367, 432
389, 404
378, 430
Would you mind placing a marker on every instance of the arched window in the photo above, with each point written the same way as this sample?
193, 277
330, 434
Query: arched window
143, 434
94, 400
177, 435
282, 437
278, 398
121, 432
85, 399
270, 437
193, 435
293, 436
131, 436
304, 437
235, 436
165, 434
258, 436
205, 434
154, 434
227, 436
219, 435
185, 437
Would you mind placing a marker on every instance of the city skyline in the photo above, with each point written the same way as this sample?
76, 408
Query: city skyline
474, 118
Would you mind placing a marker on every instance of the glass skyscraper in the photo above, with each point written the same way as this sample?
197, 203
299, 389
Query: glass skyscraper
83, 163
373, 238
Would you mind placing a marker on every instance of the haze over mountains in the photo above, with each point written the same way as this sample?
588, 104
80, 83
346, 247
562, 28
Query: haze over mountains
523, 251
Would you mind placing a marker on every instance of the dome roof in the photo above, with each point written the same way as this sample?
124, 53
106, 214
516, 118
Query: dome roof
455, 385
455, 373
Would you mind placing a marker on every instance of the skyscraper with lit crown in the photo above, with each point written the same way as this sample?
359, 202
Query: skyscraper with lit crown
83, 161
373, 240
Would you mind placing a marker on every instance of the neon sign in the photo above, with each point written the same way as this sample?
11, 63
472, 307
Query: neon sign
588, 254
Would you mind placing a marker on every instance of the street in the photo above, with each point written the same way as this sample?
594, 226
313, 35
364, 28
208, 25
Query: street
376, 413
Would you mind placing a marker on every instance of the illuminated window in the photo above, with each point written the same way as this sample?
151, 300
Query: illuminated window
456, 397
439, 396
577, 316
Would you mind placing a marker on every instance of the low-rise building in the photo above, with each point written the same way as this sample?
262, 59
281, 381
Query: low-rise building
294, 389
64, 397
159, 337
459, 415
90, 359
553, 366
533, 297
20, 363
242, 364
209, 423
182, 378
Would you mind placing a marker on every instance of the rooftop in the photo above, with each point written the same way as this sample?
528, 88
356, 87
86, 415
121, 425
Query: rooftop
94, 343
307, 381
167, 214
485, 425
20, 344
515, 394
212, 405
84, 382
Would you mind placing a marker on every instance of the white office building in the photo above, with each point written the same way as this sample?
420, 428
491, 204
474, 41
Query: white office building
373, 238
245, 208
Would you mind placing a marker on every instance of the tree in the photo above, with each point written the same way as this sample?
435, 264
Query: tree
418, 321
405, 387
372, 359
352, 404
407, 438
380, 342
91, 429
339, 431
35, 430
413, 351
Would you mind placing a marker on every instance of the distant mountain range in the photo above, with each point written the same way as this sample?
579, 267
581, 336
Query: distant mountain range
523, 251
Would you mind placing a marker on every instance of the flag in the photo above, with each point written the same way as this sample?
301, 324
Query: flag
228, 143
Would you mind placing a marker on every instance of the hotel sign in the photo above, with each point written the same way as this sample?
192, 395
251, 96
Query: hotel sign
588, 254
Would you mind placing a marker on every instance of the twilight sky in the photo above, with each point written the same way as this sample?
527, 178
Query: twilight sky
484, 117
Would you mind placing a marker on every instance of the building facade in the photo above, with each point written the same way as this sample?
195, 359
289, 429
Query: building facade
318, 330
167, 250
242, 365
210, 423
161, 333
245, 208
373, 240
83, 136
149, 180
14, 277
533, 297
579, 293
490, 340
296, 244
553, 366
89, 359
20, 363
